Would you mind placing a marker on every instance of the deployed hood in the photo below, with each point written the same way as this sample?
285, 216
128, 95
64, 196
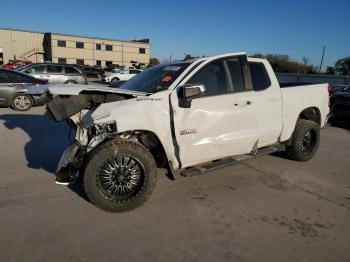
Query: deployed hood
77, 89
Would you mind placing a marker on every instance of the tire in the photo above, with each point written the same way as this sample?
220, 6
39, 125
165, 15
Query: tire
21, 102
115, 79
305, 140
106, 183
70, 82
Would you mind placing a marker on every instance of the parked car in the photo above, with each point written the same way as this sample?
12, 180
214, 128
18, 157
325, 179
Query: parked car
13, 64
13, 86
56, 73
340, 106
123, 75
91, 72
186, 117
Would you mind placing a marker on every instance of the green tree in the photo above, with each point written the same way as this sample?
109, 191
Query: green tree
283, 64
330, 70
342, 66
154, 61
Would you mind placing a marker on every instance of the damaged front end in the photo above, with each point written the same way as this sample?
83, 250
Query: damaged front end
76, 106
87, 136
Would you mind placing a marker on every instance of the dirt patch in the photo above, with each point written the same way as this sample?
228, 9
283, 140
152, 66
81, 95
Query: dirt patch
295, 226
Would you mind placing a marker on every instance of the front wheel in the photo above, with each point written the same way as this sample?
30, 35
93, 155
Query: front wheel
305, 140
120, 176
21, 102
115, 79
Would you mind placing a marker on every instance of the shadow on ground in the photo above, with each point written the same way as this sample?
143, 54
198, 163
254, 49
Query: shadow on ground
48, 139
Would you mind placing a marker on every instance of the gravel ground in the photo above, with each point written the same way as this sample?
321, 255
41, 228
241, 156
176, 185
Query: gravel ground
266, 209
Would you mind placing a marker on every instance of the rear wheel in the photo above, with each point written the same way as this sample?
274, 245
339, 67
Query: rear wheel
120, 176
305, 140
21, 102
70, 82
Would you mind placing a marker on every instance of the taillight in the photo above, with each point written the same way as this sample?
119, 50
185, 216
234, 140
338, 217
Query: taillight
38, 84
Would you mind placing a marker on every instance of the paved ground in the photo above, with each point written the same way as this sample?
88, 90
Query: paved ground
268, 209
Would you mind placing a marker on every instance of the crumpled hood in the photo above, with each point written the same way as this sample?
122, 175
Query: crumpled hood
61, 89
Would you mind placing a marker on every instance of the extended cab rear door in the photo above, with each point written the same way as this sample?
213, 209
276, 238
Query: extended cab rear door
268, 102
221, 123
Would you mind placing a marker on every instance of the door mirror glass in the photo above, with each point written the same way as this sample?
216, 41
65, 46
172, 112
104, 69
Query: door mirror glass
188, 92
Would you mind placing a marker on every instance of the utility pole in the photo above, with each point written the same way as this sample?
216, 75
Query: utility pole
324, 48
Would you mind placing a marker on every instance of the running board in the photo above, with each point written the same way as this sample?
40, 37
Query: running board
225, 162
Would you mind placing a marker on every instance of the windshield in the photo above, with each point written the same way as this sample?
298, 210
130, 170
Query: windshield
155, 79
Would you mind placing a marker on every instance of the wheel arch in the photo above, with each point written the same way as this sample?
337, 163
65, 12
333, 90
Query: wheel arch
311, 113
153, 143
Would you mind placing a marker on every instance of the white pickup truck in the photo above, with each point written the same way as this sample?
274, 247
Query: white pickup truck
187, 117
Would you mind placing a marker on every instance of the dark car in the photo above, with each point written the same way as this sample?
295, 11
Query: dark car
340, 106
56, 73
92, 72
13, 86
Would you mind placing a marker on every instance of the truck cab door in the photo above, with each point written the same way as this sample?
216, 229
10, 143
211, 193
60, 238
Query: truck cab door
222, 121
268, 102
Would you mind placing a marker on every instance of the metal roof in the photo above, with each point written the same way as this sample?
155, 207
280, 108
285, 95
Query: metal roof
108, 39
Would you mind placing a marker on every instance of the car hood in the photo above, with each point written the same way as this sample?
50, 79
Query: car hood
77, 89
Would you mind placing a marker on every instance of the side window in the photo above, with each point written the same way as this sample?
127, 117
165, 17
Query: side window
237, 77
35, 70
51, 69
260, 78
213, 77
71, 70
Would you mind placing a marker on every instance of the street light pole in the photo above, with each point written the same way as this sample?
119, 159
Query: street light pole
324, 48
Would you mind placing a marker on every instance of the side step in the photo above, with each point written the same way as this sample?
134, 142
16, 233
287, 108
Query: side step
225, 162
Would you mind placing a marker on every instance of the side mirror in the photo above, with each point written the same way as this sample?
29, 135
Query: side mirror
188, 92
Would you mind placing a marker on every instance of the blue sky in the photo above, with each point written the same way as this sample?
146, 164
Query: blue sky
296, 28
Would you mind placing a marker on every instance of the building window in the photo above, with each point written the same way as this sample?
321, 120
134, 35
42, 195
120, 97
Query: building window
80, 61
109, 48
98, 62
98, 46
79, 45
62, 60
108, 63
142, 50
61, 43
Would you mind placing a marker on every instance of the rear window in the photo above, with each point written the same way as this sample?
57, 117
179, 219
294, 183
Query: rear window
71, 70
260, 78
52, 69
